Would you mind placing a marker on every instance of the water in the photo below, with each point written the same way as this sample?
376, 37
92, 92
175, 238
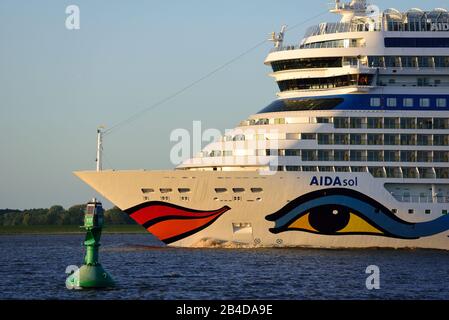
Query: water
33, 267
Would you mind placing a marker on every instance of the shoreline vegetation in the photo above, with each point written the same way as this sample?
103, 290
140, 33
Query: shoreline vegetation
57, 220
61, 230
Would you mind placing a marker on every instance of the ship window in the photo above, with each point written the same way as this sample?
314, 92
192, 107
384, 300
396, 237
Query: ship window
308, 169
440, 140
356, 155
377, 172
238, 190
394, 211
341, 139
441, 103
357, 139
408, 123
309, 63
183, 190
279, 121
303, 105
145, 191
375, 155
240, 137
444, 212
341, 123
375, 102
341, 155
424, 102
417, 42
441, 123
408, 140
411, 211
309, 155
375, 139
393, 172
391, 156
425, 123
292, 153
392, 62
324, 138
375, 123
356, 123
308, 136
166, 190
392, 102
408, 102
441, 156
391, 139
391, 123
323, 120
325, 155
319, 83
256, 190
221, 190
293, 168
423, 82
408, 156
342, 169
409, 173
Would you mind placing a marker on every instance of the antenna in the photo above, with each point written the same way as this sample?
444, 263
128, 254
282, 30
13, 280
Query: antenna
278, 39
99, 159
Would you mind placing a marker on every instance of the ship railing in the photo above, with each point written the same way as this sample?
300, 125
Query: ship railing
408, 69
286, 48
420, 198
414, 84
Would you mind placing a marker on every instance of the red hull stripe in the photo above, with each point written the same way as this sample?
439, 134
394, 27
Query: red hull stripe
159, 211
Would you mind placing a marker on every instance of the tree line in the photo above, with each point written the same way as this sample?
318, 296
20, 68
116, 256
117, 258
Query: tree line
57, 215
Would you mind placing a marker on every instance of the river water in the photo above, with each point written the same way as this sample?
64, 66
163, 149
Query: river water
33, 267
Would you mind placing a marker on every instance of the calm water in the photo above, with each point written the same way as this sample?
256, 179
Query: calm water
33, 267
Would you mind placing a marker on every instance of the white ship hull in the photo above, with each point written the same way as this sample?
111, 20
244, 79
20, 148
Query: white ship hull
243, 218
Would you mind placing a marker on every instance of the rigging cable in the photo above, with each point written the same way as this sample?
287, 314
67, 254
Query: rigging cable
201, 79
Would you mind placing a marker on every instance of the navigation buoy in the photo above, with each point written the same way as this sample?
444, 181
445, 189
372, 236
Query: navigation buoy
91, 274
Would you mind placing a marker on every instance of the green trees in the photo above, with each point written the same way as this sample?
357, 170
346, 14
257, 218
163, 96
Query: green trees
115, 216
57, 215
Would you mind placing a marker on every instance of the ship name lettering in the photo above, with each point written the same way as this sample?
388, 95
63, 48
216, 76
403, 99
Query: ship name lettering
334, 182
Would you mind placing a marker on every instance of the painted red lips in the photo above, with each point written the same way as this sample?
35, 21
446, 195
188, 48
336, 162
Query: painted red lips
171, 223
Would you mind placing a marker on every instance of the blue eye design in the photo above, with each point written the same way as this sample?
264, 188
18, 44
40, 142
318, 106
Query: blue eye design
341, 211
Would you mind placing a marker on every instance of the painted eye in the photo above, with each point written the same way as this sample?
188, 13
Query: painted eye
332, 220
339, 211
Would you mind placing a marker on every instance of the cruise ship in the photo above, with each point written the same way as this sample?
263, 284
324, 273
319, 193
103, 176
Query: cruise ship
352, 153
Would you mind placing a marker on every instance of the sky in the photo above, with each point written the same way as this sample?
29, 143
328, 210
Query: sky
58, 85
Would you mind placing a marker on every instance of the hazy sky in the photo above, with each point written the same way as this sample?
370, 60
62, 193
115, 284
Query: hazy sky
57, 86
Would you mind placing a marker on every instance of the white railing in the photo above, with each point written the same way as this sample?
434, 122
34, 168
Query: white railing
420, 198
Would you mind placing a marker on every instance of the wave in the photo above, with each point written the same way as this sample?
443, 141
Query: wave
221, 244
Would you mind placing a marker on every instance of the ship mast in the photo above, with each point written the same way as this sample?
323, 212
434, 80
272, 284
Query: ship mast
351, 9
99, 159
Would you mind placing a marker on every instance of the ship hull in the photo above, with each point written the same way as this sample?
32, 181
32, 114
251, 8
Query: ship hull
249, 209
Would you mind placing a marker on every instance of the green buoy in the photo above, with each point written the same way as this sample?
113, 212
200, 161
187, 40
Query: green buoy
91, 275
